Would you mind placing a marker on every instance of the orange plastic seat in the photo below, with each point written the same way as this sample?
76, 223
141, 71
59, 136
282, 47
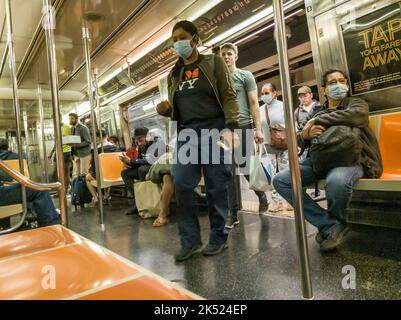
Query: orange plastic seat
110, 170
390, 146
56, 263
15, 165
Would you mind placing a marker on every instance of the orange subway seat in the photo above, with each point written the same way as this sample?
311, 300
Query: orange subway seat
14, 164
390, 146
35, 240
143, 288
77, 268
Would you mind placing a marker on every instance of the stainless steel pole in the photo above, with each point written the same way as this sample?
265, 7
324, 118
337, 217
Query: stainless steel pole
281, 41
3, 60
42, 128
85, 36
49, 25
97, 101
17, 110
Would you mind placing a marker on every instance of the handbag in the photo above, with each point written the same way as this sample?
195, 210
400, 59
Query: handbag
148, 198
338, 146
278, 136
261, 171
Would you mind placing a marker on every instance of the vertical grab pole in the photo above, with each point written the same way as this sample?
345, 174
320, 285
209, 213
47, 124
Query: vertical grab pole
42, 129
292, 148
85, 36
97, 101
49, 24
17, 110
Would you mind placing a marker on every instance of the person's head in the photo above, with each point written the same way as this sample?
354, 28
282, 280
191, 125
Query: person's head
305, 96
186, 38
229, 52
73, 119
269, 93
101, 135
114, 140
141, 136
335, 84
4, 145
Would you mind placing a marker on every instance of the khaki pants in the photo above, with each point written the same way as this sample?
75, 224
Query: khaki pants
82, 165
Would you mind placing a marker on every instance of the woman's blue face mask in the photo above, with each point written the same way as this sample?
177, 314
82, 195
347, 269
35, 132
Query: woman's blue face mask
267, 98
183, 48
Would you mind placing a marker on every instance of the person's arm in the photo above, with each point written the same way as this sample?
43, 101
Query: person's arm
227, 92
252, 92
355, 115
85, 138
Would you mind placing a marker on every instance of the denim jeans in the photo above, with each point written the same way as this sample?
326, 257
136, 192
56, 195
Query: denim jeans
338, 186
41, 201
186, 177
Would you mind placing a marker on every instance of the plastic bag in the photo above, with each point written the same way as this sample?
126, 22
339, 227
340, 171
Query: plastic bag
261, 171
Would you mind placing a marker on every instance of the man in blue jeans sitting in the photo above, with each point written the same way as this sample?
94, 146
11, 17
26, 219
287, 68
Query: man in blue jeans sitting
339, 110
40, 200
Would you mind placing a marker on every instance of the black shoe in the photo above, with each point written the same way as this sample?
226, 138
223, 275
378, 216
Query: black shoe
232, 221
213, 249
334, 239
185, 253
132, 211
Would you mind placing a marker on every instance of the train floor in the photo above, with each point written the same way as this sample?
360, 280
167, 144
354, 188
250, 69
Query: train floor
261, 261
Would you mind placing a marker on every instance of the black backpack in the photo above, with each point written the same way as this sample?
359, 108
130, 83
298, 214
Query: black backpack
338, 146
79, 192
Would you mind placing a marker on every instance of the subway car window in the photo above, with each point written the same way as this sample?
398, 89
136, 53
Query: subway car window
204, 149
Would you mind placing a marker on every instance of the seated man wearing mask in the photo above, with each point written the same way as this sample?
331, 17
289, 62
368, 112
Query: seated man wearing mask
339, 110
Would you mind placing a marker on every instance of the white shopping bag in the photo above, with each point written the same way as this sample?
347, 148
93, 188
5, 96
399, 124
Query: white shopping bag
261, 171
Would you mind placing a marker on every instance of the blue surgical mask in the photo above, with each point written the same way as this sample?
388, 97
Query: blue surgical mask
267, 98
183, 48
337, 91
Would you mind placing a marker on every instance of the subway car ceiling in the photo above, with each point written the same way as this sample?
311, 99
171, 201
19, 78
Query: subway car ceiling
121, 34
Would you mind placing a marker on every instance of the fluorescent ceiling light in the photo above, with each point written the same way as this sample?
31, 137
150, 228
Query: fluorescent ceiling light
257, 17
83, 108
266, 28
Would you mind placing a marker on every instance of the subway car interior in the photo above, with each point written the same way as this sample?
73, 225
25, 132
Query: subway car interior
99, 70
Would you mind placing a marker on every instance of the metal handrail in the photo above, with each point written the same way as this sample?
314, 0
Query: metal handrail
19, 177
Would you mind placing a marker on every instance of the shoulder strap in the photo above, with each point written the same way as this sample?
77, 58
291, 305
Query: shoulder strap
267, 115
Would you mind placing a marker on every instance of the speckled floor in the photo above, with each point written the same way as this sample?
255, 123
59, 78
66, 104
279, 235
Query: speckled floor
261, 261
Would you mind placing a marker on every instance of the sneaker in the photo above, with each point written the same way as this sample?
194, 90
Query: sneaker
276, 207
213, 249
334, 239
185, 253
232, 221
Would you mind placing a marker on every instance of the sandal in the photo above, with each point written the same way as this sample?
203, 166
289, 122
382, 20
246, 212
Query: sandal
158, 223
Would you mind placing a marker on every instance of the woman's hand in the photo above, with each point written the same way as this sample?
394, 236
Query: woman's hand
163, 107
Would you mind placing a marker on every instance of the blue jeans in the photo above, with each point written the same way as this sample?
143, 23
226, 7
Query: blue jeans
338, 186
187, 177
41, 201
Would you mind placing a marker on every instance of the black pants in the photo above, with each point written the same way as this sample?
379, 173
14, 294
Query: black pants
234, 188
131, 174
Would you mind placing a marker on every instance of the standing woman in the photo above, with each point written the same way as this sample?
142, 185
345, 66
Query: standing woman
272, 115
201, 96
